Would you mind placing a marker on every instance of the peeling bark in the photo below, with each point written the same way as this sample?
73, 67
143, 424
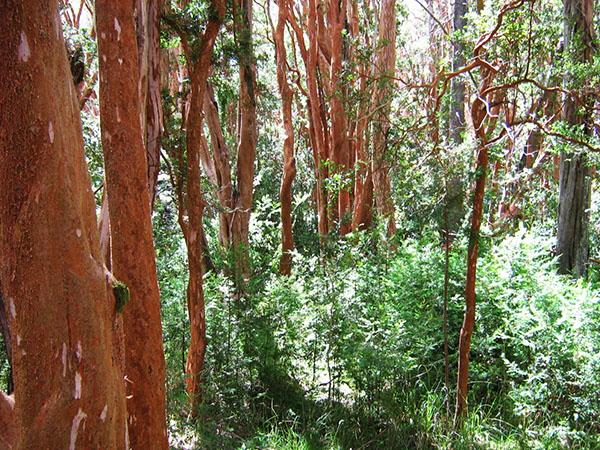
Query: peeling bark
147, 19
320, 152
133, 257
219, 164
50, 260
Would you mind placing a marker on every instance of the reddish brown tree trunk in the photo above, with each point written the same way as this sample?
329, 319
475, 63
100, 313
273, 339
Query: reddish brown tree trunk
133, 257
219, 165
153, 105
8, 424
469, 320
68, 389
479, 113
320, 152
289, 162
363, 183
340, 151
191, 203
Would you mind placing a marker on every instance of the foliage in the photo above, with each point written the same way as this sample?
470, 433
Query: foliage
122, 295
348, 352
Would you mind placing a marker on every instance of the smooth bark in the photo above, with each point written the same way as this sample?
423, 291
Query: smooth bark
132, 246
8, 425
5, 330
68, 389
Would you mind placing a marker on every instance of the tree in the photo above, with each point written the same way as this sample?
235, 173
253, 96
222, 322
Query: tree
453, 204
132, 246
340, 148
289, 162
190, 201
572, 244
317, 126
386, 64
147, 21
68, 387
246, 144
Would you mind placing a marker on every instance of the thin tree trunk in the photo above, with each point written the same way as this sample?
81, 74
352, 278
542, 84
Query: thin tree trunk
479, 113
221, 167
192, 202
457, 103
572, 243
469, 320
133, 257
68, 389
453, 202
289, 162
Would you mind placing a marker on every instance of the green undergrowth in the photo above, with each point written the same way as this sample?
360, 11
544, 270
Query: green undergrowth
348, 352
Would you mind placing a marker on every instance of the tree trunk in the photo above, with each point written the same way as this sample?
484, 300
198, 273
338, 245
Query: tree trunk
153, 106
319, 147
68, 389
453, 201
246, 144
386, 58
572, 243
147, 22
219, 164
8, 425
133, 257
479, 113
191, 203
340, 150
289, 162
457, 102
